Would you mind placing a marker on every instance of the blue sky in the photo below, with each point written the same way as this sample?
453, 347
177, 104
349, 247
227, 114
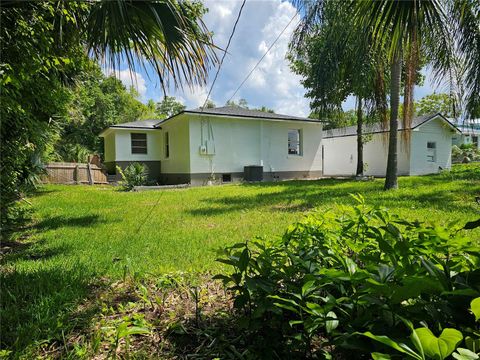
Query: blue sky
272, 84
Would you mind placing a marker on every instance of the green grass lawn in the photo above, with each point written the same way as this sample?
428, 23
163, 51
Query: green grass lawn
102, 228
81, 234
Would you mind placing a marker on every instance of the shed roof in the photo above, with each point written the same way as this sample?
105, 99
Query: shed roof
378, 128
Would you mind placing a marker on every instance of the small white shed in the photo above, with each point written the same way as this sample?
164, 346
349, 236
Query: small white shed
427, 151
198, 146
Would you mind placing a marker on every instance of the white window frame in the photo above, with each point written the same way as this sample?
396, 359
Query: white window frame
136, 144
299, 145
431, 152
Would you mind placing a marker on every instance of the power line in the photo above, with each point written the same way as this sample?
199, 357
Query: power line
266, 52
213, 83
224, 54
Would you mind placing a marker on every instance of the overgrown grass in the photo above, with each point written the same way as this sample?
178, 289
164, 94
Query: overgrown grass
82, 236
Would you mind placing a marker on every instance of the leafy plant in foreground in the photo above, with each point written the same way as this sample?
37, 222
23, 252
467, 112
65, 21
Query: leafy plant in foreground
135, 174
351, 270
429, 346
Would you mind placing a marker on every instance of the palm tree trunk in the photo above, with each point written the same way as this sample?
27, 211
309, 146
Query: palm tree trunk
359, 138
396, 71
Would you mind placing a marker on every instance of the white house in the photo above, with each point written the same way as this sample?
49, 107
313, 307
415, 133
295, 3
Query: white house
470, 134
427, 151
217, 144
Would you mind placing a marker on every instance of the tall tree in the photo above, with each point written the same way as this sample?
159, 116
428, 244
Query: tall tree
435, 103
97, 101
43, 46
169, 106
336, 60
411, 30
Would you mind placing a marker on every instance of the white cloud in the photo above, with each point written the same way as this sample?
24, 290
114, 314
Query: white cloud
129, 79
194, 98
272, 84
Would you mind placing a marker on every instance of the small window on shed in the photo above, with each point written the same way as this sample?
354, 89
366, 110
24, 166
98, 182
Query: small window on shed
226, 178
294, 142
431, 151
139, 143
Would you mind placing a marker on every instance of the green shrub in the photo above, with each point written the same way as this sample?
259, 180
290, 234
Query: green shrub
135, 174
351, 270
465, 153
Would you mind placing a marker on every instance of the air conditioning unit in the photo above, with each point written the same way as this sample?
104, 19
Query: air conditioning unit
203, 150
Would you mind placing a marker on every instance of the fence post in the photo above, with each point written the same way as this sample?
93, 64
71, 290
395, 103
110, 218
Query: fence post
89, 174
75, 174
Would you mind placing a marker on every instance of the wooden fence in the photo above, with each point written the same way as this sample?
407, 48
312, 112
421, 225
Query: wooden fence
74, 173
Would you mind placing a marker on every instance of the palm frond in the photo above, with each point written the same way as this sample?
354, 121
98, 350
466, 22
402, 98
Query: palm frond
168, 35
467, 34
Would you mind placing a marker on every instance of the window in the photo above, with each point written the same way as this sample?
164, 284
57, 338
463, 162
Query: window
226, 178
431, 151
167, 145
139, 143
294, 142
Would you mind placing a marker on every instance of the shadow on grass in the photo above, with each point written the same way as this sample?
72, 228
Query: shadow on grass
55, 222
42, 305
293, 196
42, 192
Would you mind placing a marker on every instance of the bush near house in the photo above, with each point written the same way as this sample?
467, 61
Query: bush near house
465, 153
135, 174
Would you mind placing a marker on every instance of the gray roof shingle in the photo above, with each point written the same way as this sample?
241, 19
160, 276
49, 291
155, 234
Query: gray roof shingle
225, 110
248, 113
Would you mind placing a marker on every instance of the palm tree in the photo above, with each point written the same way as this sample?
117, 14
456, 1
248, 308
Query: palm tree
438, 32
168, 35
410, 30
46, 42
336, 60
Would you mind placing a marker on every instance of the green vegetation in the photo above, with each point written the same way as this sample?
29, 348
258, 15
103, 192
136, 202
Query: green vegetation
84, 237
435, 103
96, 102
357, 270
387, 44
135, 174
44, 46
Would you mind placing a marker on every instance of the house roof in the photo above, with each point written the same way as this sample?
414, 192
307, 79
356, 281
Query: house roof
231, 111
143, 124
378, 128
236, 111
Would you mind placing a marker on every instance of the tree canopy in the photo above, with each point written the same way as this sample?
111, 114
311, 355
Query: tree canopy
169, 106
435, 103
45, 47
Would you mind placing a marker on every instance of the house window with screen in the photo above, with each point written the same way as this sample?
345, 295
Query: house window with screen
431, 151
139, 143
294, 142
167, 145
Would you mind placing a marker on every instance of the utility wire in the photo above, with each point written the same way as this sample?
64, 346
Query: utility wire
137, 230
266, 52
224, 54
